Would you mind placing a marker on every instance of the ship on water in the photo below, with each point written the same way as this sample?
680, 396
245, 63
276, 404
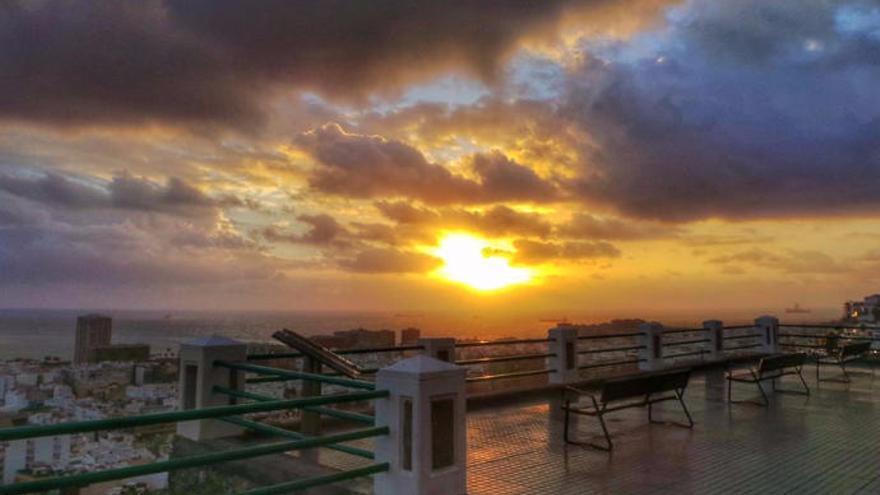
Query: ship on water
797, 309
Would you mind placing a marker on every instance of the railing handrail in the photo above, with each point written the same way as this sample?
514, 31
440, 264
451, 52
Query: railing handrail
281, 432
513, 374
684, 330
684, 342
354, 350
503, 359
502, 342
34, 431
292, 486
296, 375
610, 363
829, 325
85, 479
610, 335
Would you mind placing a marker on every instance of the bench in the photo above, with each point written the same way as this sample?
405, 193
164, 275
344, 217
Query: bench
841, 356
769, 368
643, 390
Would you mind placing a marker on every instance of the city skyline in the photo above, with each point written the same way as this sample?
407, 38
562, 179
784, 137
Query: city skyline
622, 157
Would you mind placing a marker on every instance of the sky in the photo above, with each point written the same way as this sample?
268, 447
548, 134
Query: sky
554, 156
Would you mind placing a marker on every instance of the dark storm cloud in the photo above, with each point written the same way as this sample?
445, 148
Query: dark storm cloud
736, 110
104, 61
125, 192
45, 251
67, 61
54, 189
503, 179
322, 230
360, 166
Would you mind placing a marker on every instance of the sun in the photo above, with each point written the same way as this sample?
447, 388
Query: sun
465, 261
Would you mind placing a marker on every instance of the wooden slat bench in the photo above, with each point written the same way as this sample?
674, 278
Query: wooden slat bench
643, 390
769, 368
841, 357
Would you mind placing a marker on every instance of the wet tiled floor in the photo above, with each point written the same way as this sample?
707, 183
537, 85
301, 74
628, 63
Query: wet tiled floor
828, 442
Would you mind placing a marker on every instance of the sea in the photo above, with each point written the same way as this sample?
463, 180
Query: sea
37, 333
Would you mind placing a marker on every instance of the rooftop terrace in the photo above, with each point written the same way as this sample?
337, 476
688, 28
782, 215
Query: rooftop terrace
406, 427
825, 443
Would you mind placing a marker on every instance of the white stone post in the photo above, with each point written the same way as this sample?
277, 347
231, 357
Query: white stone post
426, 447
768, 328
652, 339
199, 376
439, 348
563, 344
715, 329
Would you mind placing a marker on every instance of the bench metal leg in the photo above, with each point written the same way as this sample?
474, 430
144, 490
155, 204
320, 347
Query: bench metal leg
764, 403
684, 407
679, 395
608, 445
846, 378
763, 394
803, 382
600, 413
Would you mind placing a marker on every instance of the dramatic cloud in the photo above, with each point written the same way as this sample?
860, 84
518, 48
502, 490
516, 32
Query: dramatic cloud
360, 166
123, 192
498, 220
214, 61
323, 230
735, 110
128, 252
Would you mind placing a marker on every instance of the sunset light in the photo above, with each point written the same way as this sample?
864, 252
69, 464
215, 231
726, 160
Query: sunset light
465, 261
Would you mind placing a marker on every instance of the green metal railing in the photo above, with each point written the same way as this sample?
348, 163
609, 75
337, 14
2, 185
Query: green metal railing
293, 486
281, 432
326, 411
230, 414
285, 374
85, 479
33, 431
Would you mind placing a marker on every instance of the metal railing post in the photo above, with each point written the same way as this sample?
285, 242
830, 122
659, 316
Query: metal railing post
311, 421
199, 376
652, 339
426, 448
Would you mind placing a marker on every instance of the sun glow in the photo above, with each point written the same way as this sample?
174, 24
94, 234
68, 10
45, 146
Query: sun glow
465, 261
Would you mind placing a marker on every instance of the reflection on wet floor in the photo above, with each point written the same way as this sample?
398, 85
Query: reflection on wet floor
825, 443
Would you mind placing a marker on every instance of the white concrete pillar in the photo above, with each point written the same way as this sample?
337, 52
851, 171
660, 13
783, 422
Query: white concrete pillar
715, 329
563, 343
425, 413
199, 376
652, 339
439, 348
768, 328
